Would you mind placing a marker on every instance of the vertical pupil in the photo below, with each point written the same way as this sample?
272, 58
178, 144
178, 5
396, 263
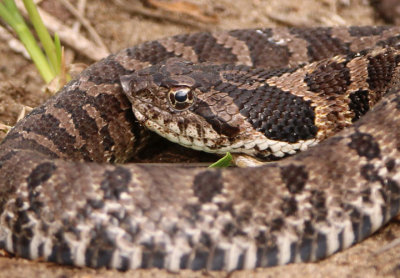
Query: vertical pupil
181, 96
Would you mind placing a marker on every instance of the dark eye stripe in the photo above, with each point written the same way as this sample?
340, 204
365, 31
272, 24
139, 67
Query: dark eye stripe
171, 98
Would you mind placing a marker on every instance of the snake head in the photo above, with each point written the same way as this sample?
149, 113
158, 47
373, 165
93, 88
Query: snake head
179, 101
151, 83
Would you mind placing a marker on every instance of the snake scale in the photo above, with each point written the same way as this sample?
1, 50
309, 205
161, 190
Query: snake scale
66, 197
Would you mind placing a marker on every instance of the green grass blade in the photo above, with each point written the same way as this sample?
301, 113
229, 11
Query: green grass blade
57, 44
35, 52
6, 15
226, 161
43, 35
9, 12
10, 5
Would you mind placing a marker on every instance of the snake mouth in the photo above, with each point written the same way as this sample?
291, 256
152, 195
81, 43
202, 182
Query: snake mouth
185, 129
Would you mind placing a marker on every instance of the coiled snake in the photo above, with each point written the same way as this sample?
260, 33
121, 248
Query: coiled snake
261, 92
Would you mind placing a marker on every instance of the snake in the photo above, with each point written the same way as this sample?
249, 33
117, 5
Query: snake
69, 195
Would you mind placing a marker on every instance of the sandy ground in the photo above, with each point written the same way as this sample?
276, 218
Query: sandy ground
20, 84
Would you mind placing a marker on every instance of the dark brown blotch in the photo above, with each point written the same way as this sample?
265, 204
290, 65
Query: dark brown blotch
264, 51
278, 114
369, 173
207, 49
207, 184
205, 240
108, 71
321, 43
366, 195
295, 177
359, 103
390, 165
289, 206
277, 224
41, 174
380, 70
95, 203
365, 145
367, 31
317, 201
49, 127
229, 229
329, 80
152, 52
115, 182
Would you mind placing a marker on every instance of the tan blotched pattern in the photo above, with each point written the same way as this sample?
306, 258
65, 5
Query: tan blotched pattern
65, 197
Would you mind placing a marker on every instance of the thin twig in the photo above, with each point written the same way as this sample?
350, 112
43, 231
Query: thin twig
5, 128
84, 22
81, 9
388, 246
24, 110
12, 42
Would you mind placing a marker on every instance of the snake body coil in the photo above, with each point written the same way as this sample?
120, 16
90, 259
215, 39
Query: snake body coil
60, 201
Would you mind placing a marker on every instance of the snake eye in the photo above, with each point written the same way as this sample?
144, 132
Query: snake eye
181, 98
